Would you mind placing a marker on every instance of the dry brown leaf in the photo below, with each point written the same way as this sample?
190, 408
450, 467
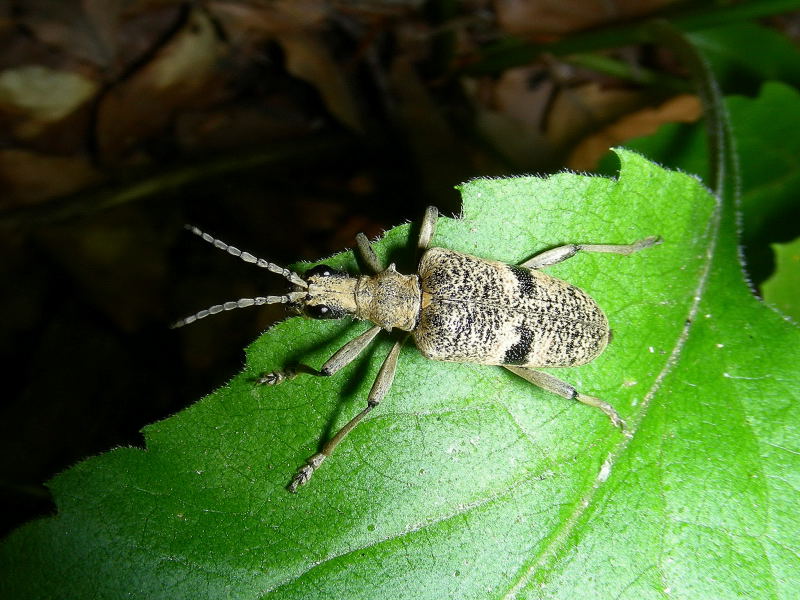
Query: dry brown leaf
28, 178
680, 109
297, 26
184, 73
533, 121
105, 36
84, 29
508, 114
32, 97
269, 17
577, 110
542, 18
308, 58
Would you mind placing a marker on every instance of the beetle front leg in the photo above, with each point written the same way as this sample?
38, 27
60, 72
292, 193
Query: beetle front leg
565, 390
368, 254
343, 357
562, 253
383, 382
426, 231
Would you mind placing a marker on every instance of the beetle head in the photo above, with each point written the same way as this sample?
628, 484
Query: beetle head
330, 294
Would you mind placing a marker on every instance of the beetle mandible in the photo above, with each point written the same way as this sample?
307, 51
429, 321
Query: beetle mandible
457, 308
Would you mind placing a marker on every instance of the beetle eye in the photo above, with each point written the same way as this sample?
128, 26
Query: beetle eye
321, 271
323, 311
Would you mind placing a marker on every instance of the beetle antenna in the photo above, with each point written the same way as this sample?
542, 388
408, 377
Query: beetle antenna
249, 258
242, 303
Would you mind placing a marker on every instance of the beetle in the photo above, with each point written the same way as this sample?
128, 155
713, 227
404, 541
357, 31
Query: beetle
457, 308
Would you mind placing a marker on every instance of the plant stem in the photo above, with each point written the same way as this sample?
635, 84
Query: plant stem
723, 172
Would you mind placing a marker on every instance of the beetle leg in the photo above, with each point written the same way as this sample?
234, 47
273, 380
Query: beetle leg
276, 377
427, 228
562, 253
383, 382
343, 357
565, 390
368, 254
426, 231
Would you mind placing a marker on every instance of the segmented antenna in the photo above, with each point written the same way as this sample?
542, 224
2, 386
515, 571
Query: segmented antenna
242, 303
249, 258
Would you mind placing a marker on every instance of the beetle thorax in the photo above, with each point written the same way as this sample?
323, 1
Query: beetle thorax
389, 299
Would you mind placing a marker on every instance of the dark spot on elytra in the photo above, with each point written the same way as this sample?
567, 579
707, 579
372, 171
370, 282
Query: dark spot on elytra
524, 279
518, 352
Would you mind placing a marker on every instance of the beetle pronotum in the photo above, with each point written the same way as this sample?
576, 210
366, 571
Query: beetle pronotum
457, 307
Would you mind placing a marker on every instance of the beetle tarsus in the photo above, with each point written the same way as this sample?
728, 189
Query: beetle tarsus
276, 377
653, 240
306, 471
609, 410
615, 418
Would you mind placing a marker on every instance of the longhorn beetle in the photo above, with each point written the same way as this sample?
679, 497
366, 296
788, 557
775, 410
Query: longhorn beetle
457, 307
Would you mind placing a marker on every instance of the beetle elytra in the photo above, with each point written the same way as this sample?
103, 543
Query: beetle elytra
457, 308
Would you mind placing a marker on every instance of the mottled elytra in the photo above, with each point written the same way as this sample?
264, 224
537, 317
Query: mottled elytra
457, 308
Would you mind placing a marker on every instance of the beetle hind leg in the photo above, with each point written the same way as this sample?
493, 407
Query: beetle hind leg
565, 390
562, 253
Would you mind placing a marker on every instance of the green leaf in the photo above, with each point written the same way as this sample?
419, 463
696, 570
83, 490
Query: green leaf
782, 290
767, 154
467, 482
744, 55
